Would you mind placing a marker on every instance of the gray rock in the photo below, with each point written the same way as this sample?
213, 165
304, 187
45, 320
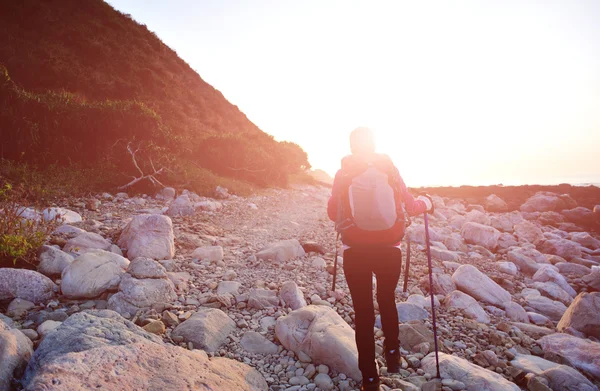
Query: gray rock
508, 268
566, 378
25, 284
262, 298
228, 287
516, 312
324, 382
406, 313
61, 214
149, 236
545, 306
527, 231
442, 283
146, 268
15, 351
18, 307
47, 327
101, 350
561, 247
582, 353
548, 273
141, 293
53, 261
207, 329
573, 270
255, 343
532, 364
182, 206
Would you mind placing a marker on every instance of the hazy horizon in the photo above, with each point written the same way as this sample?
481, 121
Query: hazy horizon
471, 93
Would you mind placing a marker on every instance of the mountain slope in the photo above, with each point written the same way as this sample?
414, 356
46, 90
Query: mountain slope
78, 77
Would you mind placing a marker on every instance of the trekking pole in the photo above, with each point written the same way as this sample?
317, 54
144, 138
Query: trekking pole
435, 342
407, 264
335, 262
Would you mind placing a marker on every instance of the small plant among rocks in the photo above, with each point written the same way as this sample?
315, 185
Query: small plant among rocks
22, 230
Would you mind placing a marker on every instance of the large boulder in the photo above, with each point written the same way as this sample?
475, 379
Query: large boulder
515, 312
469, 305
149, 236
256, 343
281, 251
15, 351
25, 284
548, 273
101, 350
553, 291
583, 315
86, 241
474, 377
135, 294
292, 296
476, 216
319, 334
573, 270
554, 310
92, 274
561, 247
406, 312
544, 201
182, 206
476, 284
414, 334
262, 298
483, 235
580, 215
444, 255
525, 260
61, 214
585, 239
583, 354
532, 364
416, 233
566, 378
493, 203
442, 283
52, 261
207, 329
528, 232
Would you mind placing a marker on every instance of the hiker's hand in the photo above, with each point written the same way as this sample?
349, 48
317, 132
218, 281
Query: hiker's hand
428, 203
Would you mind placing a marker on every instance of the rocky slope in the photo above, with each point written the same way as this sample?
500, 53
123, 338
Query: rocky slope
234, 293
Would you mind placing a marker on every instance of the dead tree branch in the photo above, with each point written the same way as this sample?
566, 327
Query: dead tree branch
151, 177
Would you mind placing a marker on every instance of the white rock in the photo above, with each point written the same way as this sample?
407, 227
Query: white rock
516, 312
87, 241
473, 376
182, 206
149, 236
480, 234
211, 254
493, 203
292, 296
228, 287
406, 313
532, 364
545, 306
61, 214
324, 382
548, 273
207, 329
15, 351
423, 301
320, 334
561, 247
476, 284
583, 315
476, 216
585, 239
92, 274
508, 268
281, 251
47, 327
469, 305
53, 261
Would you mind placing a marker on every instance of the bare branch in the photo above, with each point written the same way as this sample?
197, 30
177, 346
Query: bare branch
151, 177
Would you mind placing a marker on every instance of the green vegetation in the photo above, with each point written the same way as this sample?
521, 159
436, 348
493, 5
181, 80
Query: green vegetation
79, 81
20, 237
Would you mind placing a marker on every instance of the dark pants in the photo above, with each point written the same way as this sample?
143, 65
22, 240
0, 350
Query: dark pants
359, 266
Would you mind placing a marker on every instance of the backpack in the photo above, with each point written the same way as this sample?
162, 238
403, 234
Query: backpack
370, 209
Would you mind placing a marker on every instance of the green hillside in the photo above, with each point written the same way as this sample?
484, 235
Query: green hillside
79, 81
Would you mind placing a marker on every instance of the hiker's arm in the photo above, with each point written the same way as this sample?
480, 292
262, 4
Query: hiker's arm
413, 207
335, 195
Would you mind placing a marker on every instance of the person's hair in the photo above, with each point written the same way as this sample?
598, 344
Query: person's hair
362, 140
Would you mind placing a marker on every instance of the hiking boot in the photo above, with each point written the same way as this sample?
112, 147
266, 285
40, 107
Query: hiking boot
392, 360
370, 384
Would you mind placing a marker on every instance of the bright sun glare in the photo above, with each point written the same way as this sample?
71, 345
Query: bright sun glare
468, 92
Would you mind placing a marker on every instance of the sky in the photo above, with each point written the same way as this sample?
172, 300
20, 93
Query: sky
457, 92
